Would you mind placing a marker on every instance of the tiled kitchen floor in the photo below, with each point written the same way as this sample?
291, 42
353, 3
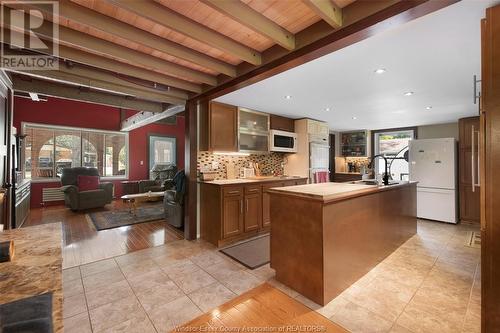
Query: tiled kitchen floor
430, 284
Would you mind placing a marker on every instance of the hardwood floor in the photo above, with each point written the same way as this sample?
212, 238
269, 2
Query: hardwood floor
264, 307
82, 243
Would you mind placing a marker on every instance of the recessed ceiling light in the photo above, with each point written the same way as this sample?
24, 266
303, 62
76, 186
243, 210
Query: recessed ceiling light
408, 93
354, 118
327, 109
380, 71
428, 107
288, 97
34, 97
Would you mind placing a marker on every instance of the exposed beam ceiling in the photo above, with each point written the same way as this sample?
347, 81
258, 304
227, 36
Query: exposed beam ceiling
75, 93
327, 10
83, 15
145, 118
183, 25
254, 20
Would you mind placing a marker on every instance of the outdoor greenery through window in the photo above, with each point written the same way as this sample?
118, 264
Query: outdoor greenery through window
49, 149
394, 145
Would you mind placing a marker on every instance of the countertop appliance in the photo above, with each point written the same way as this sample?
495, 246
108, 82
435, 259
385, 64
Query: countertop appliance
433, 163
282, 141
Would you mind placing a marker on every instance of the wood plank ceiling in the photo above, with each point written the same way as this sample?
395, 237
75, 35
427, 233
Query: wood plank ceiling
181, 48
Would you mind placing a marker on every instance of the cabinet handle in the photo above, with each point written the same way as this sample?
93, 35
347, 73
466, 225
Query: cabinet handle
233, 192
241, 206
246, 204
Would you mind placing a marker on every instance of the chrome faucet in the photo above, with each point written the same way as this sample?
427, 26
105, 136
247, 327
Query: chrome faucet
385, 177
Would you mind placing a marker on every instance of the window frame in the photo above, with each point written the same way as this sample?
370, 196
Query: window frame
24, 125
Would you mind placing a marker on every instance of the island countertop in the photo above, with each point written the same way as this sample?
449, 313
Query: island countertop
251, 180
36, 267
329, 192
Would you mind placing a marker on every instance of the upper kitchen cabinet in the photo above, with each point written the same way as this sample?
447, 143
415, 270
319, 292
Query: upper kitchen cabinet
253, 131
219, 128
317, 128
354, 144
282, 123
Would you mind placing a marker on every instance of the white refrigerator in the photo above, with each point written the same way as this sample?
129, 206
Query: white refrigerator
433, 164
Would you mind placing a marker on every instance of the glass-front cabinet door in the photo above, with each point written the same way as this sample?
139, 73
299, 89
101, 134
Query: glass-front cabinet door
253, 131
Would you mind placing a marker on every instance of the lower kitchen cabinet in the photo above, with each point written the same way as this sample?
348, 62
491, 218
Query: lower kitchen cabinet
230, 213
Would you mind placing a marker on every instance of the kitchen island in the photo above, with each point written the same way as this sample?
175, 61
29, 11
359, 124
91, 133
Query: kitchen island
324, 237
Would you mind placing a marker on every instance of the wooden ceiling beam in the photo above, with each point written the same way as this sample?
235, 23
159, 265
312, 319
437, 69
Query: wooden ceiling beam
254, 20
88, 17
327, 10
183, 25
53, 89
105, 47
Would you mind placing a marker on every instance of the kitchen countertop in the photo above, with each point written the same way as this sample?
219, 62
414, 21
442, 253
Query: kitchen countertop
251, 180
329, 192
36, 267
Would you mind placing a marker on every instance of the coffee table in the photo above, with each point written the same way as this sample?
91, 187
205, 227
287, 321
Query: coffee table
134, 199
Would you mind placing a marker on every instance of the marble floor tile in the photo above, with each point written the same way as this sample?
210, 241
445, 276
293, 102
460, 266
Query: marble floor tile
138, 268
102, 279
211, 296
132, 258
109, 315
108, 293
357, 319
70, 274
168, 259
156, 296
180, 267
98, 267
73, 287
223, 269
193, 280
77, 324
73, 305
167, 316
140, 323
207, 258
418, 320
241, 281
143, 282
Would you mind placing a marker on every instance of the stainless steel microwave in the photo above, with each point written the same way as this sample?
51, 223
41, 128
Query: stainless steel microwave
283, 141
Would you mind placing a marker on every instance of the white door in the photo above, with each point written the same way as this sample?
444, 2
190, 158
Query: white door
433, 163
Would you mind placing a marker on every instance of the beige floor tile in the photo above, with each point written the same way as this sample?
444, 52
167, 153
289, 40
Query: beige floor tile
108, 293
400, 329
77, 324
334, 306
289, 291
193, 280
241, 281
102, 279
143, 282
70, 274
223, 269
73, 305
139, 268
180, 267
169, 315
419, 320
138, 324
98, 267
207, 258
73, 287
211, 296
263, 272
357, 319
307, 302
132, 258
156, 296
409, 276
112, 314
168, 259
472, 322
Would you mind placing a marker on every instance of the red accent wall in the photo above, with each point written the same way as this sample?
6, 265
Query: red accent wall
80, 114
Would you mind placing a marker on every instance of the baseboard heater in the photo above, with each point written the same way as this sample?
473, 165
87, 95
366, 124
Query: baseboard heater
50, 194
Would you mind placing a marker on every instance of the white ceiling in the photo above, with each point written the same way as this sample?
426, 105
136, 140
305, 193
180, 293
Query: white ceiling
434, 56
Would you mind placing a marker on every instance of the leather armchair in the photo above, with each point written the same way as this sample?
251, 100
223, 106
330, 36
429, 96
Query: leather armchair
173, 201
78, 200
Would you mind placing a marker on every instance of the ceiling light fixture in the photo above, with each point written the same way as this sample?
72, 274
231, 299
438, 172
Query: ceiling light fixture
408, 93
34, 97
288, 97
327, 109
354, 118
428, 107
380, 71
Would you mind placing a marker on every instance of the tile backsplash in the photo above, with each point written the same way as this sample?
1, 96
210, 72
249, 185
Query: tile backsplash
270, 163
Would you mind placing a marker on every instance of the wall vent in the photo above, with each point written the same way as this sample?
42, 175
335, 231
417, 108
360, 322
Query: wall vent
52, 194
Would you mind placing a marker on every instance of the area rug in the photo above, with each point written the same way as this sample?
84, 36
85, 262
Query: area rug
252, 253
109, 219
474, 239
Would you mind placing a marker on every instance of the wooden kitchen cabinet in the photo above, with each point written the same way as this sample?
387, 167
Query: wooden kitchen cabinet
282, 123
230, 213
219, 127
469, 191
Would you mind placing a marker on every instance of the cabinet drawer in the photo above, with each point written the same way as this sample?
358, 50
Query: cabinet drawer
253, 189
233, 191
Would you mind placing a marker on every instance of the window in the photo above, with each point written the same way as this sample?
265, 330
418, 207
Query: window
161, 151
393, 144
49, 149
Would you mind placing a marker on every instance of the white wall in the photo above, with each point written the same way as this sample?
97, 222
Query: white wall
449, 130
